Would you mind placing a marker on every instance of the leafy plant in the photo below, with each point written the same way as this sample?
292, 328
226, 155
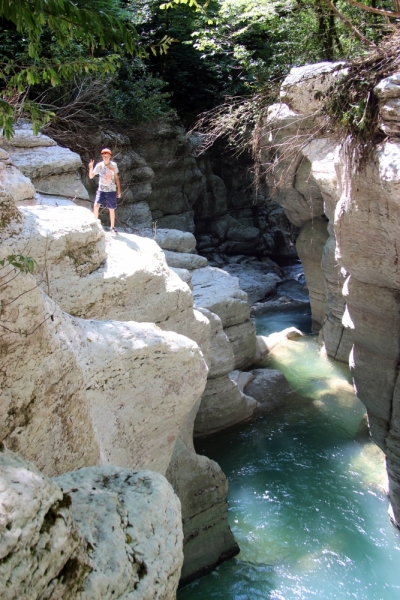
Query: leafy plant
25, 264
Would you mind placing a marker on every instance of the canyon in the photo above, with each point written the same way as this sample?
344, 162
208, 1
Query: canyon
117, 350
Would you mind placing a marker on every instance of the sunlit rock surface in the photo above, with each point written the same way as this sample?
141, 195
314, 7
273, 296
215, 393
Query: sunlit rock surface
42, 551
99, 532
131, 523
115, 289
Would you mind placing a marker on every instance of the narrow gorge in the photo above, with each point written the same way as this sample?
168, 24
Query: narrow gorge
117, 351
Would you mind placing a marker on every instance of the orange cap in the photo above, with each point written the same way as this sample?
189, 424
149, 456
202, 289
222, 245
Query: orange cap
106, 151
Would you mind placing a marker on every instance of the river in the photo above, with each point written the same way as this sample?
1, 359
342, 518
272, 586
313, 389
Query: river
307, 501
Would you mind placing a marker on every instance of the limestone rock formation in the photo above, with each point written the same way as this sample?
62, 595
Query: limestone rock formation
107, 380
203, 489
306, 185
41, 548
223, 404
99, 532
258, 278
310, 246
131, 523
78, 392
359, 280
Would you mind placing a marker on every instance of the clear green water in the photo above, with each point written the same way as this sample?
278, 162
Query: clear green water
307, 502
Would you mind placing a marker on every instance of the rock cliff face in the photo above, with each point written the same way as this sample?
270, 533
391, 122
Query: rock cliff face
106, 351
349, 244
211, 196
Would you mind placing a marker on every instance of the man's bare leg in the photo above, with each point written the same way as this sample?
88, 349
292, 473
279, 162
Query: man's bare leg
96, 210
112, 217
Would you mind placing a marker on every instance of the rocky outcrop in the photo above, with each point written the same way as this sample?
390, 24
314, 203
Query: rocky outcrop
107, 381
310, 245
230, 218
223, 404
270, 388
131, 523
203, 489
164, 185
100, 532
359, 279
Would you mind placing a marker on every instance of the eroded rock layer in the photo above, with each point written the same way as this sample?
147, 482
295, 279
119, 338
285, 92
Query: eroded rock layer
351, 263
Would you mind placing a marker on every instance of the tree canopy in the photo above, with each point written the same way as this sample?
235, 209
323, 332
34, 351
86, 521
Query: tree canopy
147, 55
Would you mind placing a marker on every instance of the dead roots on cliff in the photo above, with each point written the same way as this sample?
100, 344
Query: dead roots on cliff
351, 107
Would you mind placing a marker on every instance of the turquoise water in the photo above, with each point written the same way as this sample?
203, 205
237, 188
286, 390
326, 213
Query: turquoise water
307, 501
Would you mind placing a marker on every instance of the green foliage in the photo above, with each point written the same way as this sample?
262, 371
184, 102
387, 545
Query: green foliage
101, 24
25, 264
237, 47
134, 95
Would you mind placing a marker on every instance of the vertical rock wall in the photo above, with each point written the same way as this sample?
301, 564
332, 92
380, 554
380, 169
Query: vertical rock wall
354, 277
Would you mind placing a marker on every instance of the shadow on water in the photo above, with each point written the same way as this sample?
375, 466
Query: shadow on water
307, 505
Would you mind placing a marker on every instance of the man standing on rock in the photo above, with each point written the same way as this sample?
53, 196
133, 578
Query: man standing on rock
109, 185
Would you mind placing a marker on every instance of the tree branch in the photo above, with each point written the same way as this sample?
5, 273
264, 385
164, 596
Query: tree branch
348, 23
377, 11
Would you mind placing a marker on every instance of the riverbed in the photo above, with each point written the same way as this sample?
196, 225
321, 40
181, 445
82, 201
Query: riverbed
307, 491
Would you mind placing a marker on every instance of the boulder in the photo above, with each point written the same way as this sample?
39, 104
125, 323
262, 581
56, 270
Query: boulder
96, 276
17, 185
69, 184
131, 522
99, 532
183, 274
243, 339
388, 88
276, 304
241, 378
172, 239
222, 359
25, 138
42, 552
44, 413
239, 233
270, 388
40, 162
222, 405
304, 87
388, 92
183, 260
255, 279
79, 394
137, 423
266, 343
220, 293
